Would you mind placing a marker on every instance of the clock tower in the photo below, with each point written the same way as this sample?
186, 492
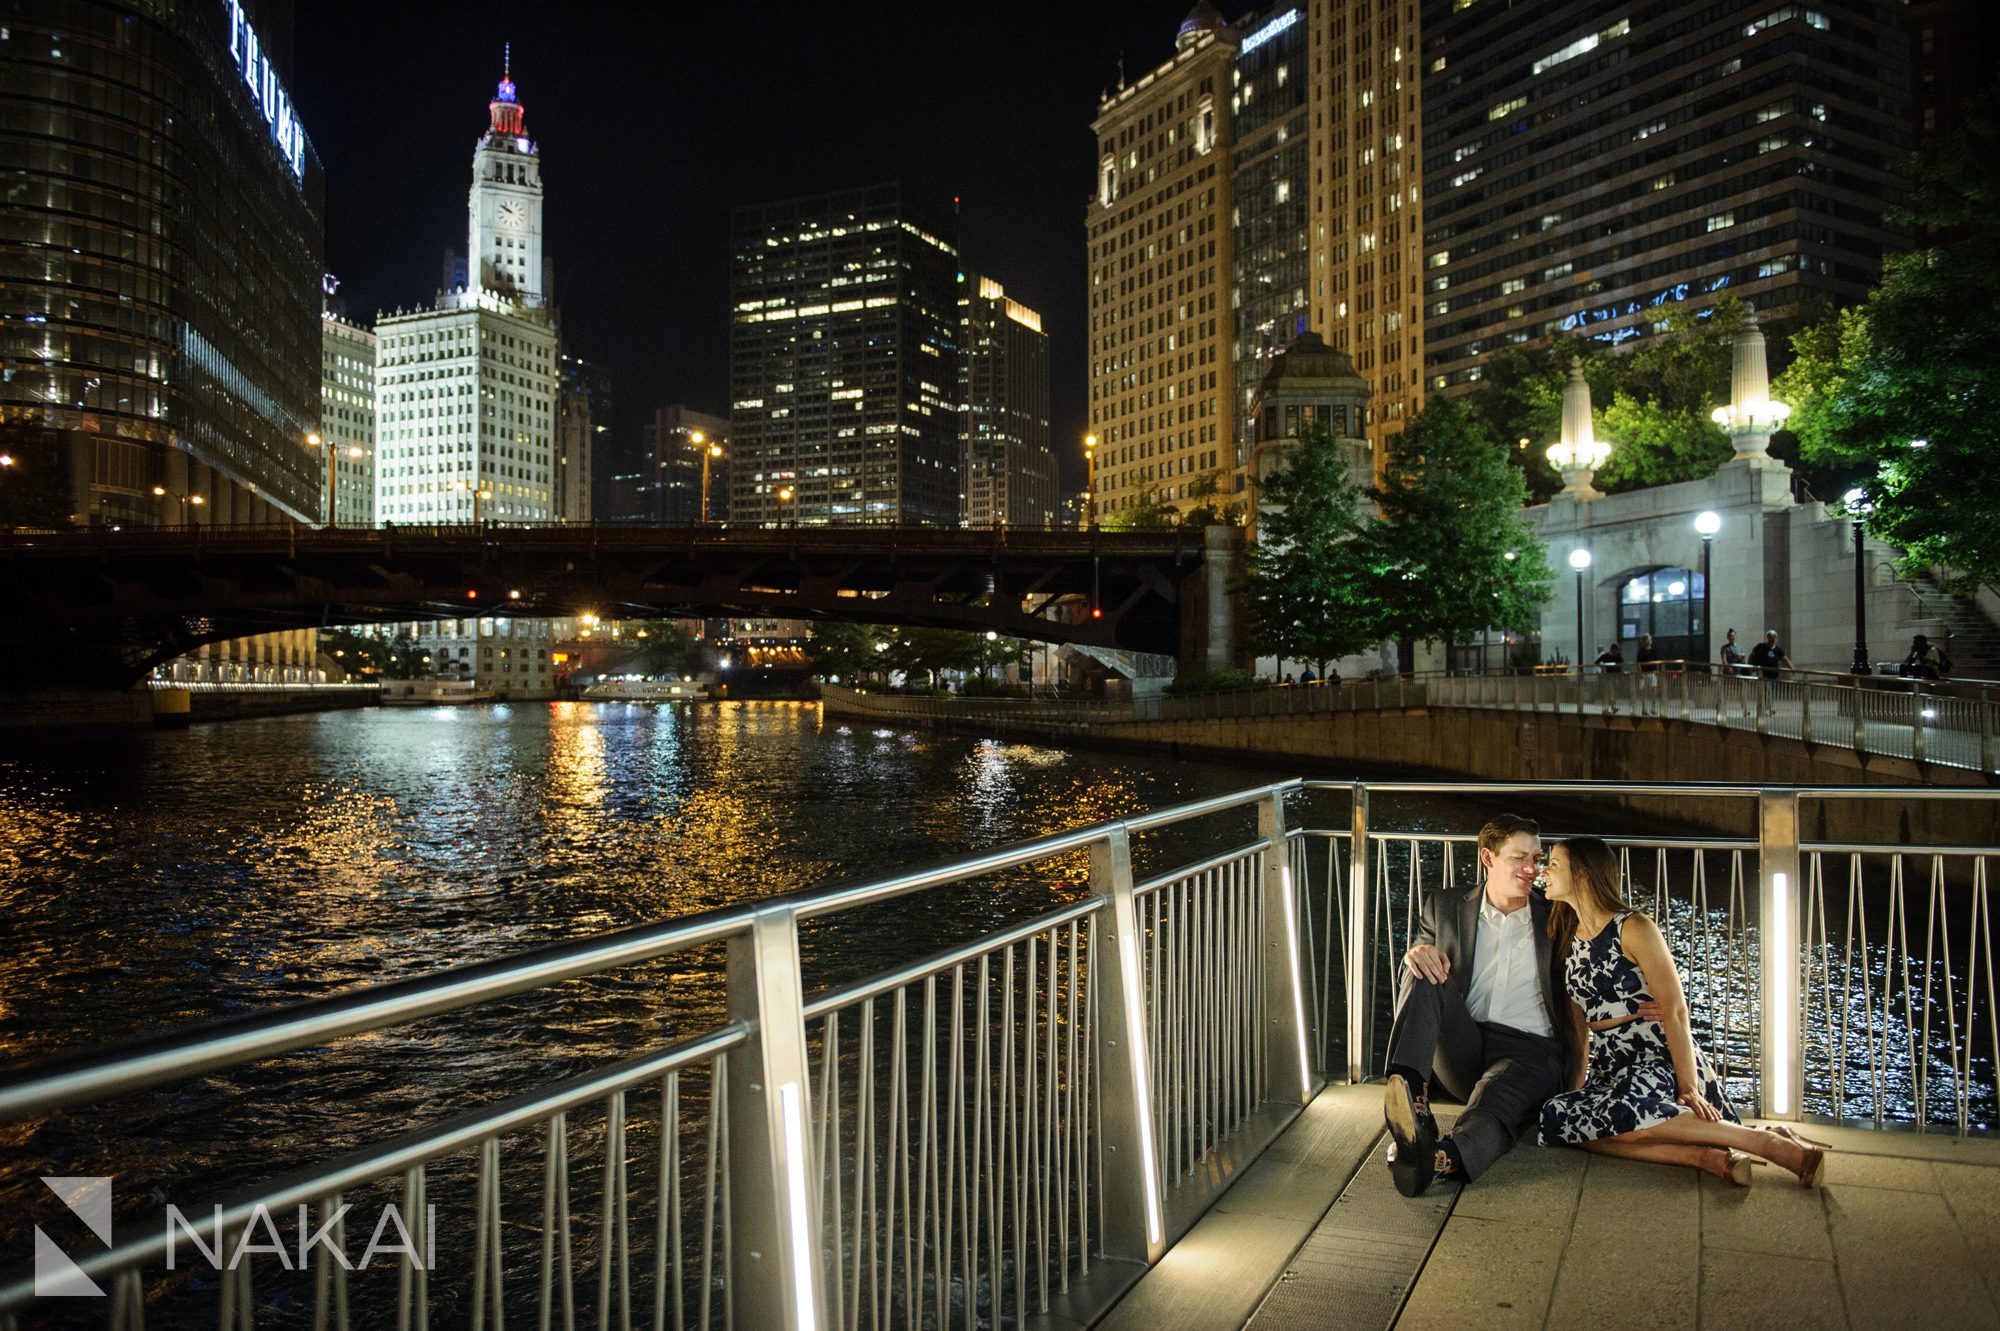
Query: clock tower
505, 243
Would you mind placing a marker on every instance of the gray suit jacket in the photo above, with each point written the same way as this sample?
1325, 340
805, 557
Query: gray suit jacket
1449, 922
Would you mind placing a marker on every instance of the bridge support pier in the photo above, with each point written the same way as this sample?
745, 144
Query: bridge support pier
1209, 618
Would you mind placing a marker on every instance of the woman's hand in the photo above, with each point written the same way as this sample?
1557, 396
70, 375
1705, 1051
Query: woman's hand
1703, 1110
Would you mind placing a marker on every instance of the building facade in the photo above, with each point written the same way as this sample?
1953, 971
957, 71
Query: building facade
680, 446
468, 392
1270, 108
347, 420
1368, 198
1007, 469
1162, 386
843, 361
582, 419
162, 240
1591, 166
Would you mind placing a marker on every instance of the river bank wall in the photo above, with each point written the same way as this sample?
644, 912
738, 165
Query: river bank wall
55, 712
1492, 745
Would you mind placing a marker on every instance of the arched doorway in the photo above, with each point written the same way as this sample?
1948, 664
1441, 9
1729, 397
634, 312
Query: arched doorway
1670, 603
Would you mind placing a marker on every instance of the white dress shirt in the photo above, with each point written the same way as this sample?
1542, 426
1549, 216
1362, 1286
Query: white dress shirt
1506, 988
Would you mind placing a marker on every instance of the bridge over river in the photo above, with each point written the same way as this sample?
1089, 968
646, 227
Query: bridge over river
111, 604
1146, 1108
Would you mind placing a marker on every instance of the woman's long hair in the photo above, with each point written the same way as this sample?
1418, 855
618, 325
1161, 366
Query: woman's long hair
1593, 871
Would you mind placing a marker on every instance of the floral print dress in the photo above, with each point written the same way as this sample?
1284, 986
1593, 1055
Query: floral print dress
1629, 1082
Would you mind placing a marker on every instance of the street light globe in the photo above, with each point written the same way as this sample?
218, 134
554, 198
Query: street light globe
1579, 560
1856, 503
698, 438
1708, 524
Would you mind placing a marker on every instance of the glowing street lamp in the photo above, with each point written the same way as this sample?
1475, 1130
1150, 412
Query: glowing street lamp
1858, 507
1090, 494
786, 513
479, 492
1751, 417
709, 450
1579, 453
1579, 560
186, 501
1707, 524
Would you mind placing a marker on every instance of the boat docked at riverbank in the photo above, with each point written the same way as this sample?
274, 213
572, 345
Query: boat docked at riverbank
434, 693
646, 690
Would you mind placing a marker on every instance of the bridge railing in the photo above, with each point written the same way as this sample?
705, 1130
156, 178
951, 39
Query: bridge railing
1020, 1122
1953, 725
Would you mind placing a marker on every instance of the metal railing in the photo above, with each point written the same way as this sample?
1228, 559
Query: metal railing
1025, 1119
1953, 725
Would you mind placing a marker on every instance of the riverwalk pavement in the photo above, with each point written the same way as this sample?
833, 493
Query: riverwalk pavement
1903, 1232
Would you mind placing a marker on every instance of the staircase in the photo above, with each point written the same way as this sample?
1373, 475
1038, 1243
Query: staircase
1965, 628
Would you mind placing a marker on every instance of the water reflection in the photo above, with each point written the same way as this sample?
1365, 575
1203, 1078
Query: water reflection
152, 881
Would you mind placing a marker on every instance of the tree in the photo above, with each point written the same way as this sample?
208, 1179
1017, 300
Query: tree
1310, 582
1909, 399
1456, 554
1149, 513
1660, 419
666, 647
1212, 510
848, 651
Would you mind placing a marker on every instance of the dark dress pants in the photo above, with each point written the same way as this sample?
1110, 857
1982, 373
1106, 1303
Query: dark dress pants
1501, 1075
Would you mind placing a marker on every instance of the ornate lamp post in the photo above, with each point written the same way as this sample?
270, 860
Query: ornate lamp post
1708, 524
1858, 508
1579, 560
1751, 417
1579, 453
785, 509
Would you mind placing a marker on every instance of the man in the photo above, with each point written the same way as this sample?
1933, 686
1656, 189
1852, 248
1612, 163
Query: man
1768, 658
1478, 1015
1610, 661
1649, 677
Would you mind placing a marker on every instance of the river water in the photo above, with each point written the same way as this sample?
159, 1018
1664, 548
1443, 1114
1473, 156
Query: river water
152, 881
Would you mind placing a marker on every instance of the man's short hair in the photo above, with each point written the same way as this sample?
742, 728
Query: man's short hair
1495, 834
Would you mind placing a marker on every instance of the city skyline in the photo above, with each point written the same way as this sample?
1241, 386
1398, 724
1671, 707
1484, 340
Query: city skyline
641, 273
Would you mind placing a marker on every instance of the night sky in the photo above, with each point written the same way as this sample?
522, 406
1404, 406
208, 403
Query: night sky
655, 119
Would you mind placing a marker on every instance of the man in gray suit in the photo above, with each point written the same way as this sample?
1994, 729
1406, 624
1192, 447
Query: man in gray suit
1481, 1014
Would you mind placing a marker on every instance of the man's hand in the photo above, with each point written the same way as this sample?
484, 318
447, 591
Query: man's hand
1428, 962
1652, 1011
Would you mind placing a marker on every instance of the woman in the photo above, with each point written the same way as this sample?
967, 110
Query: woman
1643, 1085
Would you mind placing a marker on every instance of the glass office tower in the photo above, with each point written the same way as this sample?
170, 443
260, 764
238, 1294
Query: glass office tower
160, 244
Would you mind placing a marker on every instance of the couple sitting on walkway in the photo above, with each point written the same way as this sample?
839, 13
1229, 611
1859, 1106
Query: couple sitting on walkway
1509, 998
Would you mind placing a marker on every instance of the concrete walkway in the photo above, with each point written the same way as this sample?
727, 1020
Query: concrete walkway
1904, 1232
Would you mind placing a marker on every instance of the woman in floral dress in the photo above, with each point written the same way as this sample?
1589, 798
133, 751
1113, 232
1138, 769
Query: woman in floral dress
1643, 1082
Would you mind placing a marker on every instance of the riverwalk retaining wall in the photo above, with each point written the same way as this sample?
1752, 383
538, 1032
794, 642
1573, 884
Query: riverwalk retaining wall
56, 712
1477, 744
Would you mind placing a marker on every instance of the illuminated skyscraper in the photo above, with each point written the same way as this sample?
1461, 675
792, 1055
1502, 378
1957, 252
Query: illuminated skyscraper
843, 360
159, 322
1007, 469
1590, 166
1162, 382
467, 391
347, 419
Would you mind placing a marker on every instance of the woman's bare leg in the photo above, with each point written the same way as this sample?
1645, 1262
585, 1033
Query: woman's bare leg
1689, 1130
1709, 1159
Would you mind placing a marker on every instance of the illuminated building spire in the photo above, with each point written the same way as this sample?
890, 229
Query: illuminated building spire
506, 111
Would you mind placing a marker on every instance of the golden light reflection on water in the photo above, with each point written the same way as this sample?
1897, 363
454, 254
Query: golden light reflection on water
154, 881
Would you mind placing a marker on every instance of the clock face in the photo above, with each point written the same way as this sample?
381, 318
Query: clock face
512, 215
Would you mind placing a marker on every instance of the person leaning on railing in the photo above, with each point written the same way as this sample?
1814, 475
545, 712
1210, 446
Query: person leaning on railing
1733, 671
1768, 659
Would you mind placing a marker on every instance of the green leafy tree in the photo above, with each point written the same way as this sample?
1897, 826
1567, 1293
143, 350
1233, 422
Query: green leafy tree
1150, 513
666, 647
1212, 507
1660, 420
1310, 578
1904, 396
1456, 555
849, 651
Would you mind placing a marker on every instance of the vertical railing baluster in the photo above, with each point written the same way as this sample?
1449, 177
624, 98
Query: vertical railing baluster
667, 1224
555, 1224
776, 1278
487, 1271
329, 1274
1781, 1040
1133, 1224
1283, 1037
1357, 939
